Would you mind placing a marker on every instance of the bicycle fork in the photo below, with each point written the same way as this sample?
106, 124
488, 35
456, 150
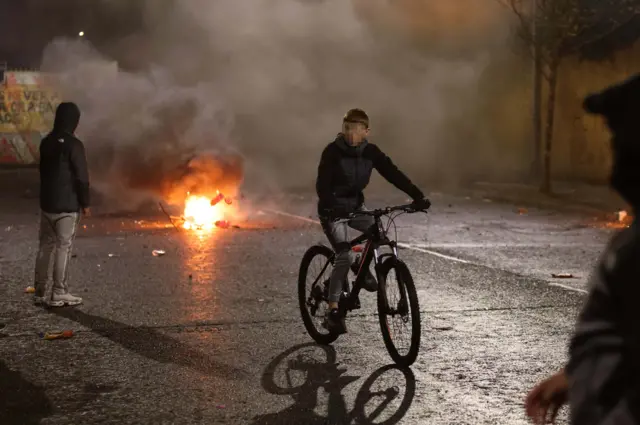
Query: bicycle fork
402, 307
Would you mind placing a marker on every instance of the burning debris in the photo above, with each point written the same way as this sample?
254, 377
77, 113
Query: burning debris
622, 216
201, 212
618, 220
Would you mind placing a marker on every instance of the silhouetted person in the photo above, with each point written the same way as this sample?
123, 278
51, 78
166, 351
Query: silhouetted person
64, 193
601, 381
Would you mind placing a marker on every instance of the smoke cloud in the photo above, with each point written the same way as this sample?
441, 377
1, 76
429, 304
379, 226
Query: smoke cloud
269, 81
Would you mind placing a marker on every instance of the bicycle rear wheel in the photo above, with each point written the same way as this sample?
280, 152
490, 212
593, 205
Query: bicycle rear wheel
397, 311
313, 289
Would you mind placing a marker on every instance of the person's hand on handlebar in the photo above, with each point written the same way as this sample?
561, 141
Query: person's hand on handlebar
421, 204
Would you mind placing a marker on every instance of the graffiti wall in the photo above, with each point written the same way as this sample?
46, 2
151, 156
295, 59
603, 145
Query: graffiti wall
27, 110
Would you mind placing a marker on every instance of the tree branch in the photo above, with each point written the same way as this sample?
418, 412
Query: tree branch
577, 47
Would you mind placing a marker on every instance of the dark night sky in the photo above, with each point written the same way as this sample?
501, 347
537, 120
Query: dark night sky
26, 26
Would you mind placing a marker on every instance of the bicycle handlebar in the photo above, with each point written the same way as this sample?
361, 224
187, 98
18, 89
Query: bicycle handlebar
379, 212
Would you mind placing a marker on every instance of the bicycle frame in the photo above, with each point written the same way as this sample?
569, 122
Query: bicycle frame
375, 238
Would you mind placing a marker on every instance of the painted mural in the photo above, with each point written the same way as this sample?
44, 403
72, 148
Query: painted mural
27, 110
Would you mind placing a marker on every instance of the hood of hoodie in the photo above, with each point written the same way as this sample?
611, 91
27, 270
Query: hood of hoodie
67, 118
619, 104
341, 141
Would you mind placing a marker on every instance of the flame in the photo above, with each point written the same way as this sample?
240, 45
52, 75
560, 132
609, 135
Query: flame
622, 215
619, 220
200, 214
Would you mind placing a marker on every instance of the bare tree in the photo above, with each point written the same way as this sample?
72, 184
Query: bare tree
556, 29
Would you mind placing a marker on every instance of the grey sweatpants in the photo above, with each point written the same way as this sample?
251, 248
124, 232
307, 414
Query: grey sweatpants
57, 232
338, 234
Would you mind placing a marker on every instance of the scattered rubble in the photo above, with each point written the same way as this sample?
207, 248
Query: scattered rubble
56, 335
562, 276
158, 253
223, 224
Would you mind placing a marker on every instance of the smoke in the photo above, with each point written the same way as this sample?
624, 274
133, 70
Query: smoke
271, 79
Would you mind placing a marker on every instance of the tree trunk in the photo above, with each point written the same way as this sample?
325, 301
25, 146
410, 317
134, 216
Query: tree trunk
536, 164
548, 136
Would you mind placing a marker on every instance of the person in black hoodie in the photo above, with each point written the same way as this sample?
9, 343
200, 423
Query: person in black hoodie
601, 381
64, 194
344, 172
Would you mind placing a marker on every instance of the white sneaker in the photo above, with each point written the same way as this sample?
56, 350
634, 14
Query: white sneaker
60, 300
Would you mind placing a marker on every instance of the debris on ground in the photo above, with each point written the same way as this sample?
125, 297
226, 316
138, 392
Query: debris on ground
30, 290
217, 199
113, 255
223, 224
522, 211
8, 228
158, 252
56, 335
562, 276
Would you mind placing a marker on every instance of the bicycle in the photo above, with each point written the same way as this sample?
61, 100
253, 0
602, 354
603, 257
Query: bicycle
407, 307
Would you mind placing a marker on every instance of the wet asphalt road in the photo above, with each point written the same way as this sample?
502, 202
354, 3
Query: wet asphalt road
226, 345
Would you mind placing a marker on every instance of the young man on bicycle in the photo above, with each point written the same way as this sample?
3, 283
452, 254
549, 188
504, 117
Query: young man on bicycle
344, 172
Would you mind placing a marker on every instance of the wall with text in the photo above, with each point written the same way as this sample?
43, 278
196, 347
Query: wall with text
27, 110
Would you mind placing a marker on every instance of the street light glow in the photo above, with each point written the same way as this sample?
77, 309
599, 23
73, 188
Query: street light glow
81, 34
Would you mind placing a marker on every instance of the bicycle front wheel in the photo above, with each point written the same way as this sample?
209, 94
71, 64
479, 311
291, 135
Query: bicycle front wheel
313, 292
399, 312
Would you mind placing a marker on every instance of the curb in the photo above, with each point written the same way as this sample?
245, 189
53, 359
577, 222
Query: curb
554, 203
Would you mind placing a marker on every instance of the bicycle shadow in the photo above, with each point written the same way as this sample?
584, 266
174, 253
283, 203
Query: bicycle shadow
328, 376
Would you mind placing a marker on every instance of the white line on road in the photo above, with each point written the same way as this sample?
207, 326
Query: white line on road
403, 245
567, 287
437, 254
472, 245
419, 248
299, 217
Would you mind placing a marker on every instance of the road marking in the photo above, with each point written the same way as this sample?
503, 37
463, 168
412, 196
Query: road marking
419, 248
403, 245
437, 254
452, 245
299, 217
567, 287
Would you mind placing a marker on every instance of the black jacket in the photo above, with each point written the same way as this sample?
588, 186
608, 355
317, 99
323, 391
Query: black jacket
64, 178
604, 354
344, 172
604, 364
